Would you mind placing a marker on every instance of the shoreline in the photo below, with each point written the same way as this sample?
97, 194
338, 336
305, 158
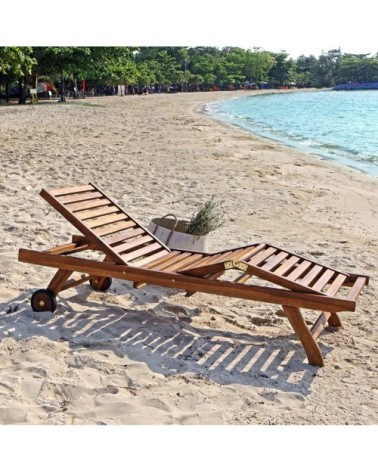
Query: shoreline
343, 161
152, 356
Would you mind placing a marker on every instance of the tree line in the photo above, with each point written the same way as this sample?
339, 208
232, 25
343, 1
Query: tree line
176, 68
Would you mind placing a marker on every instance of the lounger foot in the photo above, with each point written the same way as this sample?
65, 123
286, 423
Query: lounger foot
334, 320
43, 300
101, 284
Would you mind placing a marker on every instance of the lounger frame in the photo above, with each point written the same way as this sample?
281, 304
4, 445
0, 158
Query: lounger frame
115, 245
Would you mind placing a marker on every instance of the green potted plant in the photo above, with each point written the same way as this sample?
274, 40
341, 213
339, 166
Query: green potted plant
189, 235
208, 218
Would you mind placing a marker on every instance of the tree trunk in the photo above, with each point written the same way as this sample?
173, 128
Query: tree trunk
22, 90
62, 96
7, 91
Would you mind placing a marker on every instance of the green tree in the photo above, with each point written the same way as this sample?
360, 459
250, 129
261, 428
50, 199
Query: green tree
146, 74
282, 72
258, 65
304, 70
203, 66
62, 63
357, 68
327, 68
230, 67
16, 64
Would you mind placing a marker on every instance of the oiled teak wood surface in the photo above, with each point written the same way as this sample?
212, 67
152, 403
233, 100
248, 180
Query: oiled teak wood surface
129, 251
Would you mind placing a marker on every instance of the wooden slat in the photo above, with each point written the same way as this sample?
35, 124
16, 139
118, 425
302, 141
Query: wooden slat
158, 255
79, 197
314, 262
106, 220
281, 281
123, 236
356, 289
262, 256
298, 271
217, 263
256, 249
68, 190
182, 263
312, 274
204, 271
287, 265
336, 284
324, 279
353, 277
274, 261
208, 260
102, 211
236, 254
139, 241
129, 256
87, 205
105, 231
173, 257
246, 253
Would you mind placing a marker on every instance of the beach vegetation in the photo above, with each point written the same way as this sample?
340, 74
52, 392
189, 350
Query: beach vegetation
207, 218
139, 70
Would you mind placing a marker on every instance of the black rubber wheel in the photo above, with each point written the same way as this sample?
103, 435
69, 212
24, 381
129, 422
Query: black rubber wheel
43, 300
101, 284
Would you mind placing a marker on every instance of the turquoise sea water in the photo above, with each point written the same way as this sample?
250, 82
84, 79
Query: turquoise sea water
340, 126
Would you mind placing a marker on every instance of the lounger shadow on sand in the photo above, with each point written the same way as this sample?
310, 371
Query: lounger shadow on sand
130, 252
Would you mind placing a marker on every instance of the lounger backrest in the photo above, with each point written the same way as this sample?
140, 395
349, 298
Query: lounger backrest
105, 224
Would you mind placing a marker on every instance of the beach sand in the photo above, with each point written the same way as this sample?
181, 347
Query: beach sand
153, 356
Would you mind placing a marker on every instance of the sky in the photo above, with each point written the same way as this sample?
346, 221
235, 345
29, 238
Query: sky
297, 27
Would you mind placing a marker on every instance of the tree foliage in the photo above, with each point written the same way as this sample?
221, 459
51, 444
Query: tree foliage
179, 68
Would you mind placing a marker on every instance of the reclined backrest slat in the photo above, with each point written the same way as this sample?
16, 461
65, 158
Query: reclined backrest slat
97, 222
135, 242
101, 211
70, 190
79, 197
123, 236
104, 223
87, 205
114, 229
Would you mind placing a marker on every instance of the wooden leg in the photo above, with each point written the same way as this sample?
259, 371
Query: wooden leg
58, 281
309, 344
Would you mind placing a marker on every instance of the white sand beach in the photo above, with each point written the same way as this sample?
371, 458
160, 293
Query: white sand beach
152, 356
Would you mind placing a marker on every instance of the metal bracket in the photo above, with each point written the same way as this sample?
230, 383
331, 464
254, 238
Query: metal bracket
236, 265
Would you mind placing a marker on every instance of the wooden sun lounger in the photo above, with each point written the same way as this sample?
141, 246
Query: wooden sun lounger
129, 251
